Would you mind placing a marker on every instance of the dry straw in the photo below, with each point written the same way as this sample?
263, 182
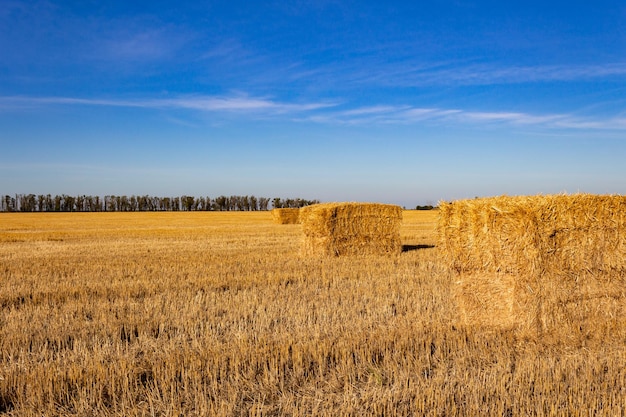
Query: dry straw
351, 229
544, 265
286, 215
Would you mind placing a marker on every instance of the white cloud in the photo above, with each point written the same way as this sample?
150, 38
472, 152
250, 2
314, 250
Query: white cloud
447, 73
330, 112
409, 115
373, 110
417, 114
511, 117
145, 45
200, 103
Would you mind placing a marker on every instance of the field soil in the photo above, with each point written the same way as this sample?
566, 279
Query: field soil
219, 314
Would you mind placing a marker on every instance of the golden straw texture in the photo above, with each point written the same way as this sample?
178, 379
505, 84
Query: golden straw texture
351, 229
286, 215
549, 265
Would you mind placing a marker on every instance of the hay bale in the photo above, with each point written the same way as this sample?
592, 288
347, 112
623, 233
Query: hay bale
286, 215
492, 234
545, 265
500, 299
351, 229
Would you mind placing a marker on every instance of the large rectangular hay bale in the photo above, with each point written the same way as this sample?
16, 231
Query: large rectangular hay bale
286, 215
495, 299
545, 265
351, 229
492, 234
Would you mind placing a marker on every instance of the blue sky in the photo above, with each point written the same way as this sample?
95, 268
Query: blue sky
398, 102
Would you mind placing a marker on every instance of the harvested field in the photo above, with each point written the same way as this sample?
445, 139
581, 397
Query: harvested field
217, 313
548, 266
351, 229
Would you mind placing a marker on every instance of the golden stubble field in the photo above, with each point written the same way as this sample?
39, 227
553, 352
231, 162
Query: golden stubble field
218, 314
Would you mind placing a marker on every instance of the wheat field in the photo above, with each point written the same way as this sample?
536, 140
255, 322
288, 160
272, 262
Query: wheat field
218, 314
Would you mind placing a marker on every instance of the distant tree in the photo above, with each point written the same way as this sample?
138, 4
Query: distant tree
95, 204
7, 206
90, 203
109, 203
41, 202
79, 202
263, 203
219, 203
187, 203
123, 203
70, 202
233, 202
254, 203
58, 203
142, 203
197, 204
27, 203
240, 203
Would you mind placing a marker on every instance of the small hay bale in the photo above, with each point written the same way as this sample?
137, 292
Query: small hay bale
351, 229
286, 215
544, 265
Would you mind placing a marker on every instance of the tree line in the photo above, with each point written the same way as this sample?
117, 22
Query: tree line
89, 203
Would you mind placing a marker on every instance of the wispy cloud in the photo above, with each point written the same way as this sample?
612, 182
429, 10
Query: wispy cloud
490, 74
144, 45
368, 111
513, 117
50, 35
409, 115
199, 103
328, 112
410, 74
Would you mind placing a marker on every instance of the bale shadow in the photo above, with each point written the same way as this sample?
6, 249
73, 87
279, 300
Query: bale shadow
408, 248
